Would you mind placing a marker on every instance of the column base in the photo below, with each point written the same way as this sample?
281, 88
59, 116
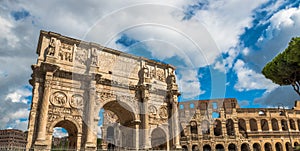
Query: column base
90, 147
177, 147
40, 147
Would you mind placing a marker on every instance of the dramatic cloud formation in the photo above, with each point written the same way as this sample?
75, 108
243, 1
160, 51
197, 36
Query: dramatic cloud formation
226, 38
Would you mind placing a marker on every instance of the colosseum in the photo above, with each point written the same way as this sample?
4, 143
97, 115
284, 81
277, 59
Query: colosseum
221, 125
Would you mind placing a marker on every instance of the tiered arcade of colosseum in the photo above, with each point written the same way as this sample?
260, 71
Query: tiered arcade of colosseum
220, 124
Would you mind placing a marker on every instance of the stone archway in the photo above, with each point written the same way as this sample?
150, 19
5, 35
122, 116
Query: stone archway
73, 79
158, 139
72, 133
119, 125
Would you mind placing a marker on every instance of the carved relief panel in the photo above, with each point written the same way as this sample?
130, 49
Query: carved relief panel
64, 106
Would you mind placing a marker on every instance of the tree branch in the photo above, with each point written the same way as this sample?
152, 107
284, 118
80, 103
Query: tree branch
296, 85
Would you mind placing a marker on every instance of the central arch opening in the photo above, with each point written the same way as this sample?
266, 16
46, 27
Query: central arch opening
117, 122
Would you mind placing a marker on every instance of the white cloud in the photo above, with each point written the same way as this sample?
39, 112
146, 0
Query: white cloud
226, 63
99, 131
21, 125
227, 20
281, 96
19, 96
189, 83
248, 79
59, 132
21, 113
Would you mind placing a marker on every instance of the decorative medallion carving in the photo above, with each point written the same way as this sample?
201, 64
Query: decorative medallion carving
160, 74
76, 101
152, 109
163, 112
58, 99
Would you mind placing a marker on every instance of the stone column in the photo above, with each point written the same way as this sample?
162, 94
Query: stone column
32, 117
258, 122
43, 119
146, 142
247, 121
137, 140
175, 123
91, 140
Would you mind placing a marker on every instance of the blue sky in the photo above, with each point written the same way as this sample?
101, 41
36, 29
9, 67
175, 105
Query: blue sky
219, 47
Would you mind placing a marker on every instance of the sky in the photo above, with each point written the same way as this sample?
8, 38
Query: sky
218, 47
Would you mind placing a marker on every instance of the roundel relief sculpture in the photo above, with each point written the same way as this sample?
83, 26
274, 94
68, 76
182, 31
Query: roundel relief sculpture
76, 101
163, 112
58, 99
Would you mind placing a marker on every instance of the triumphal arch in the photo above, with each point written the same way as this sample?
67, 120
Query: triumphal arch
73, 80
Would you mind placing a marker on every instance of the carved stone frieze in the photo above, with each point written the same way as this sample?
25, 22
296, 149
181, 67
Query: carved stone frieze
77, 101
163, 112
81, 55
54, 45
58, 99
66, 52
152, 109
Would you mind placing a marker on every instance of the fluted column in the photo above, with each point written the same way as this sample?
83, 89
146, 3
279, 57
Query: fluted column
43, 119
137, 140
176, 125
91, 140
146, 120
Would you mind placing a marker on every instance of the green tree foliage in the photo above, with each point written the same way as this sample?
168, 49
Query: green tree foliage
284, 69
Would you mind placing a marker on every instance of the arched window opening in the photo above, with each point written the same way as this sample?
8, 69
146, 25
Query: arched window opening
182, 132
230, 127
110, 133
292, 124
245, 147
205, 127
219, 147
264, 125
192, 105
268, 147
195, 148
194, 129
278, 147
262, 113
284, 125
242, 127
256, 147
288, 146
215, 105
206, 147
296, 144
253, 125
216, 115
275, 126
217, 128
232, 147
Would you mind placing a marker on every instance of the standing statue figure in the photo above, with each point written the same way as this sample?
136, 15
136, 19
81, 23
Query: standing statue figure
51, 47
94, 57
